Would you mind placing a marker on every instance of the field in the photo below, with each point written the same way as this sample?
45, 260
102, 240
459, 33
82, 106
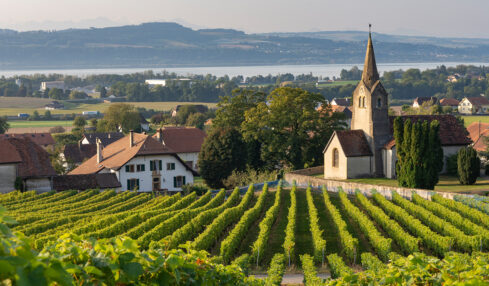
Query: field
337, 233
471, 119
50, 123
340, 82
14, 105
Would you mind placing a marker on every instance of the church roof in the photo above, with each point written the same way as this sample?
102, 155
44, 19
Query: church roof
452, 133
353, 143
370, 75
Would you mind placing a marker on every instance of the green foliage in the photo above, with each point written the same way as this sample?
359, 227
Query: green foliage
419, 153
276, 270
222, 152
468, 166
452, 167
4, 126
249, 176
371, 262
310, 273
317, 240
74, 94
119, 115
243, 262
473, 214
337, 266
79, 122
289, 241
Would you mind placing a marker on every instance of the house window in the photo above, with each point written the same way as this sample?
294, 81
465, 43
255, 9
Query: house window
155, 165
133, 184
336, 157
178, 181
170, 166
140, 168
130, 168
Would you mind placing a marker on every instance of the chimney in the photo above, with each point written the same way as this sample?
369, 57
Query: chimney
99, 151
159, 136
131, 138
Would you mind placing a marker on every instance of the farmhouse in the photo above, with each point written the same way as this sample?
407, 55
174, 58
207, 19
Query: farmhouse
474, 105
186, 142
451, 102
368, 149
139, 162
75, 154
26, 162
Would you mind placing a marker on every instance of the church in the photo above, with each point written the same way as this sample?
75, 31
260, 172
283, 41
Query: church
368, 149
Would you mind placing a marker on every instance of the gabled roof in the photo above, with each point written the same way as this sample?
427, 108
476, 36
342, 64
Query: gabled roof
34, 160
117, 154
77, 153
449, 102
105, 138
480, 100
182, 139
85, 182
340, 102
342, 109
8, 153
452, 133
477, 132
38, 138
353, 142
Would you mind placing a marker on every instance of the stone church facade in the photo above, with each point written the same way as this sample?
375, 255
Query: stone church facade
368, 149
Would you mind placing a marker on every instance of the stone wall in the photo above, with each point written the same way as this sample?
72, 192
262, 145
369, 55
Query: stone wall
350, 187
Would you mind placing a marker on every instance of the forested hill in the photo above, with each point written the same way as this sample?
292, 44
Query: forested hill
170, 44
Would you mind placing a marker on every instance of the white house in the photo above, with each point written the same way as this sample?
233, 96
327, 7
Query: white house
186, 142
474, 105
154, 82
139, 162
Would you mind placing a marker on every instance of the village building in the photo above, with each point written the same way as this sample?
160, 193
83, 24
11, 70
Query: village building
419, 101
54, 105
368, 149
139, 162
479, 134
24, 165
73, 155
101, 181
143, 123
45, 140
340, 102
185, 141
105, 137
451, 102
59, 84
474, 105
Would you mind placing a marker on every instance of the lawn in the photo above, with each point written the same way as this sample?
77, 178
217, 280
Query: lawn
15, 105
25, 123
446, 184
470, 119
340, 82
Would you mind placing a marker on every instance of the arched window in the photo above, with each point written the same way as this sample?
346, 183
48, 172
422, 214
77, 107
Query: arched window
363, 101
379, 102
336, 157
360, 101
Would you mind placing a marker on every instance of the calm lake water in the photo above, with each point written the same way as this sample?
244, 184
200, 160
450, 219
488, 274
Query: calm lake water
325, 70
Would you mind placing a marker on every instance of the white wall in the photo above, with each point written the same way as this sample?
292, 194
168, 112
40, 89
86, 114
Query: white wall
146, 178
339, 172
8, 173
359, 166
194, 157
39, 185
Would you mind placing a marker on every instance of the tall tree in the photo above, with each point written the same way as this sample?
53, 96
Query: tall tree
4, 126
222, 152
468, 166
119, 115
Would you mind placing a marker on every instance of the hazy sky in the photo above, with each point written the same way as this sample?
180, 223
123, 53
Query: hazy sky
447, 18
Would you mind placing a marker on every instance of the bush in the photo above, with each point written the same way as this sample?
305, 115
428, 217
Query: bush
57, 129
249, 176
200, 190
452, 164
468, 165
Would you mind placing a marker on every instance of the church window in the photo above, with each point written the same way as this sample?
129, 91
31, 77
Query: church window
336, 157
379, 102
363, 101
360, 101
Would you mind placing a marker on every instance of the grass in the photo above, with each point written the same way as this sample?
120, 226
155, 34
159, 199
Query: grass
471, 119
336, 83
446, 184
25, 123
303, 237
14, 105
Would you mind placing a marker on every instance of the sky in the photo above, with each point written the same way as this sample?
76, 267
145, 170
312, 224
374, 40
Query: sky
442, 18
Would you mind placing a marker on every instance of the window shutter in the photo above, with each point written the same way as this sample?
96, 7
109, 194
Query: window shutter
183, 180
151, 165
174, 182
127, 168
160, 165
143, 167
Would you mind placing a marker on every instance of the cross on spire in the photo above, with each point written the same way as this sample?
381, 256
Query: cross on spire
369, 28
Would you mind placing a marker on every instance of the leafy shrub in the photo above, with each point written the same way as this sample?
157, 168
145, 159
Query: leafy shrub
468, 165
249, 176
452, 164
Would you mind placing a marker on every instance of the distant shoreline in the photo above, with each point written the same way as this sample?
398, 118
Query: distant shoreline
324, 70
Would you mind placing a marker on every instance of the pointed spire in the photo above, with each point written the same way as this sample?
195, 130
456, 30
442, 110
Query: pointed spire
370, 74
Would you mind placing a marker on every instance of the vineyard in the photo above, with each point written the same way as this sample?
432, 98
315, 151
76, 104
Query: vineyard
272, 231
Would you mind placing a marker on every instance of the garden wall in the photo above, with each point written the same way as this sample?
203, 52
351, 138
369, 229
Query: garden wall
350, 187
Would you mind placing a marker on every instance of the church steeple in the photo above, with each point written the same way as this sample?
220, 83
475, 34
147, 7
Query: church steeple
370, 74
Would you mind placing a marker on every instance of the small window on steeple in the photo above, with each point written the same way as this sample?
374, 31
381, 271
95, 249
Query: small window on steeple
363, 101
379, 102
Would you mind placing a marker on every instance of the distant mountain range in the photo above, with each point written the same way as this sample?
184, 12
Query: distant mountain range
170, 44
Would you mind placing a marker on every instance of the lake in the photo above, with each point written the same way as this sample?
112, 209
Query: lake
324, 70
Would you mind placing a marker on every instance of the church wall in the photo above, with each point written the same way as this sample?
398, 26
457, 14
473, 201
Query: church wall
389, 157
359, 167
339, 172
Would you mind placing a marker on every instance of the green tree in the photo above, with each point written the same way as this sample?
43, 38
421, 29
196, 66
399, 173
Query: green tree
119, 115
79, 122
231, 109
35, 116
47, 115
196, 120
468, 166
223, 151
4, 126
290, 129
74, 94
56, 93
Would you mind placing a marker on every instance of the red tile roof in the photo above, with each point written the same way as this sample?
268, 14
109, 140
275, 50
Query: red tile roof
449, 102
477, 132
8, 153
182, 139
42, 139
353, 142
106, 138
480, 100
342, 109
35, 160
119, 153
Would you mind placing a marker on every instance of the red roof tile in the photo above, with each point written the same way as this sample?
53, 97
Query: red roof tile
479, 100
353, 142
85, 182
449, 102
77, 153
182, 139
42, 139
8, 153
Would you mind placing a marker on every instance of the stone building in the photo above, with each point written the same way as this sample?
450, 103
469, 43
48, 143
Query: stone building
368, 149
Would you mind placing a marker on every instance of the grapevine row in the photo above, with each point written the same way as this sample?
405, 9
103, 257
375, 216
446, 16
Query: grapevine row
276, 270
317, 234
310, 273
289, 242
337, 266
473, 214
